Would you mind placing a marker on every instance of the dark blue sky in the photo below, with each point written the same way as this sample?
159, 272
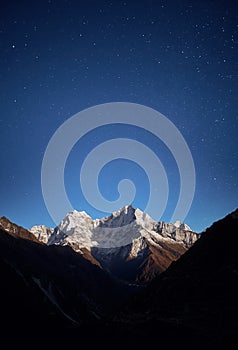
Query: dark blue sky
178, 57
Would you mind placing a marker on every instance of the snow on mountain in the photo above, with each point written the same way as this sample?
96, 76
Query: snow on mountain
41, 232
76, 230
129, 244
121, 228
181, 233
182, 225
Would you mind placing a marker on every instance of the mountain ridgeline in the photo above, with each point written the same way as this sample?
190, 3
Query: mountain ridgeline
125, 279
129, 244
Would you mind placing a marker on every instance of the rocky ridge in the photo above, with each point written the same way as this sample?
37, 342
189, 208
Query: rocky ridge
17, 231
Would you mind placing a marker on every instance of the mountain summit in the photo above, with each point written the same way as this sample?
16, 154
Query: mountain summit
128, 243
116, 230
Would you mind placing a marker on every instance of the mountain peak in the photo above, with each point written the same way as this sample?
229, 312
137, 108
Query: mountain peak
123, 216
119, 229
41, 232
76, 213
182, 225
128, 209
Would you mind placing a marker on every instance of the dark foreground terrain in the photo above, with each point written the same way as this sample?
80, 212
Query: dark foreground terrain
52, 296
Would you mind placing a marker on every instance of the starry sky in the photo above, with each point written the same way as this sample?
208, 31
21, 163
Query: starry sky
60, 57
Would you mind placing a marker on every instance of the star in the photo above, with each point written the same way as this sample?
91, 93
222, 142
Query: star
179, 60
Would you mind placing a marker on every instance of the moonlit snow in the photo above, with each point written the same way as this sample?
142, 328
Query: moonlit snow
123, 227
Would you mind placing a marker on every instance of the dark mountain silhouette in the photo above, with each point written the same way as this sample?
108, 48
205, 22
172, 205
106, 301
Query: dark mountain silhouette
53, 285
196, 295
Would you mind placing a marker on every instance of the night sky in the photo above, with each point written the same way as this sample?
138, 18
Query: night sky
60, 57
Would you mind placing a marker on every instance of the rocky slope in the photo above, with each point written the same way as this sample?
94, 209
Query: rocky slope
53, 285
17, 231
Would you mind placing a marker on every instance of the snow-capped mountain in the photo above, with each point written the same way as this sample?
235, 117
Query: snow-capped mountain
128, 243
42, 233
119, 229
